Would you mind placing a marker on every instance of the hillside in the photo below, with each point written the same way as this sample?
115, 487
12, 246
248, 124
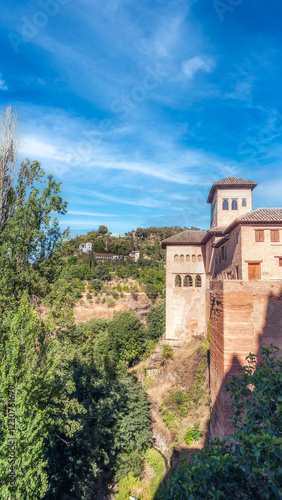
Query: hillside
86, 309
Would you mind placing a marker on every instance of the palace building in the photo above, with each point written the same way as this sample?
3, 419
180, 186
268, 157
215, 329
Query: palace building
230, 277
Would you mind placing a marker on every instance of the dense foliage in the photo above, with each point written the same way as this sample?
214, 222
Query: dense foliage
248, 465
76, 410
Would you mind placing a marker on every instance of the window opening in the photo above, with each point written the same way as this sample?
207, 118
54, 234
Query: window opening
188, 282
225, 204
177, 281
234, 205
198, 281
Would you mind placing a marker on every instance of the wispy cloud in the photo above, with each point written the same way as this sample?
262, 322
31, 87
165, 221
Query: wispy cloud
197, 63
137, 203
90, 214
3, 84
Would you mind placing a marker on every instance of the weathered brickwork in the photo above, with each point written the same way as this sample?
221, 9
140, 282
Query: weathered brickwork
244, 317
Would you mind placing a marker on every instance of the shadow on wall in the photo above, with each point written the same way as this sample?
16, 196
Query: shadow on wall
221, 414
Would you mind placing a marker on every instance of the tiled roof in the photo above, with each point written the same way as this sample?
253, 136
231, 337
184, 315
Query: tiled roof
262, 215
231, 182
186, 237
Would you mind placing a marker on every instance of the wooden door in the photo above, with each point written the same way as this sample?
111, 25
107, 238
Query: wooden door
254, 271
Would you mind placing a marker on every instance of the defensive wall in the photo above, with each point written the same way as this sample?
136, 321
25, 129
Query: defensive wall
244, 316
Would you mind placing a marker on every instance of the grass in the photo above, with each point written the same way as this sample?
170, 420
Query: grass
143, 490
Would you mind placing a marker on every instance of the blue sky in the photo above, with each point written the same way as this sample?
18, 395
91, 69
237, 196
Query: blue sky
139, 106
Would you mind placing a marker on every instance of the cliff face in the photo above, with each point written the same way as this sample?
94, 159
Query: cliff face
178, 389
89, 309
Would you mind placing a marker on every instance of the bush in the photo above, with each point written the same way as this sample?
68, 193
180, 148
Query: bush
151, 291
192, 434
97, 285
156, 320
167, 352
115, 294
103, 300
88, 296
133, 293
110, 302
72, 261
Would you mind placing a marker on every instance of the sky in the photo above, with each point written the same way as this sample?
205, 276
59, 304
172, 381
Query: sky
137, 107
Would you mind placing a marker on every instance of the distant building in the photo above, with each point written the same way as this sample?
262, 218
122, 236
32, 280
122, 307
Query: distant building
135, 255
85, 247
109, 256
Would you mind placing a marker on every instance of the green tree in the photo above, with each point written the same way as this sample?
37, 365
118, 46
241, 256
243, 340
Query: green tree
157, 249
128, 337
102, 229
120, 246
156, 320
99, 245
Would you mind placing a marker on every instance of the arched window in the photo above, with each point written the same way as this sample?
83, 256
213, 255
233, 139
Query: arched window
181, 258
177, 281
244, 202
188, 282
225, 204
198, 281
200, 258
187, 258
234, 205
176, 258
193, 258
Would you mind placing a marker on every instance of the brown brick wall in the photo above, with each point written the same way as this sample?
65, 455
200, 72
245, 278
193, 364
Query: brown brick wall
245, 315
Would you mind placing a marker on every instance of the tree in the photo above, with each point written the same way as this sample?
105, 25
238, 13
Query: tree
156, 320
102, 229
99, 245
120, 246
152, 291
92, 235
128, 336
157, 250
108, 242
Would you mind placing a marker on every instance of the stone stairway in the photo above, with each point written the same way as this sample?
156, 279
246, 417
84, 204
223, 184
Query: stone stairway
155, 358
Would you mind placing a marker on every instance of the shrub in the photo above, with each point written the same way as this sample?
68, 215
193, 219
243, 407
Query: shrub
88, 296
156, 320
103, 300
110, 302
167, 352
133, 293
97, 285
192, 434
90, 288
151, 291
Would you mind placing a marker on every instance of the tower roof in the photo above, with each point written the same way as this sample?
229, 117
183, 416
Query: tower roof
230, 182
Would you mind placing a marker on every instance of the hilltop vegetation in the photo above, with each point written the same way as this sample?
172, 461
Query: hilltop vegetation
146, 238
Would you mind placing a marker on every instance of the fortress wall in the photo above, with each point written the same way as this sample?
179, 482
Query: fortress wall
245, 315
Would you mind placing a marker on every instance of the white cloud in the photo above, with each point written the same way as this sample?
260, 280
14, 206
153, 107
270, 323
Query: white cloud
3, 84
90, 214
142, 203
197, 63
